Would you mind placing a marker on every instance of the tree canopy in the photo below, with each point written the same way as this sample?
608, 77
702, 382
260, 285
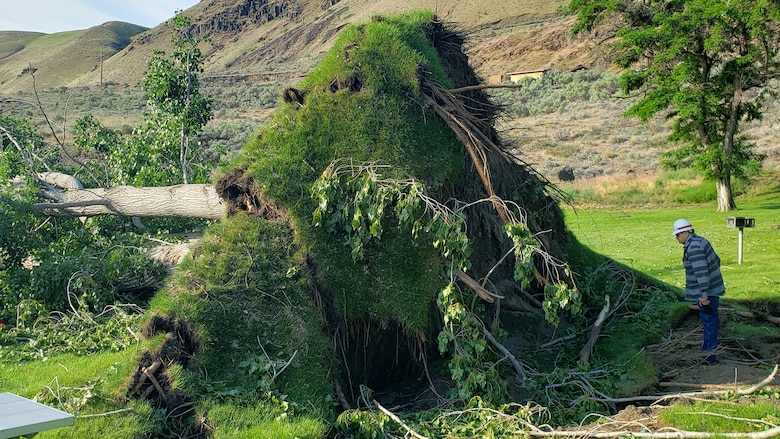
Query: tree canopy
704, 64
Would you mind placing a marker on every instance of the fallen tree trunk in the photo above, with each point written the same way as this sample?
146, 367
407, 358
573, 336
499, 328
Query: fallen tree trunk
182, 201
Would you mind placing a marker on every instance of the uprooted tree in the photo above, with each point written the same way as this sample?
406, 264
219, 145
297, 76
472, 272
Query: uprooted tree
373, 226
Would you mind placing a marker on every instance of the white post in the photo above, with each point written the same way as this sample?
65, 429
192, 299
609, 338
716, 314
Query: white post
739, 243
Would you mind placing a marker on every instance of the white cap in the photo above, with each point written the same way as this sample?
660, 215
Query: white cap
682, 225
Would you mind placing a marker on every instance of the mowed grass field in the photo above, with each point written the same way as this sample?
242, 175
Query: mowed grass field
641, 238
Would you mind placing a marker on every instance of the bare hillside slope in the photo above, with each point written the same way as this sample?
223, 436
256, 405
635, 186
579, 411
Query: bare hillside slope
282, 40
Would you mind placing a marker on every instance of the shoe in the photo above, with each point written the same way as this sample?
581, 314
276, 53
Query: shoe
711, 362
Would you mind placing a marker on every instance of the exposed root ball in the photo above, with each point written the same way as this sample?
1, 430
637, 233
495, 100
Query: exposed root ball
242, 193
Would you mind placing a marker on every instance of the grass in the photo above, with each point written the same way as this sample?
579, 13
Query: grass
640, 238
83, 385
720, 417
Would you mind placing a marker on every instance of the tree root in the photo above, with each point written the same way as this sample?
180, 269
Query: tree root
148, 374
774, 430
659, 398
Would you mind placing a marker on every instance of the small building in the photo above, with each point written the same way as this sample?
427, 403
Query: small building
495, 79
517, 76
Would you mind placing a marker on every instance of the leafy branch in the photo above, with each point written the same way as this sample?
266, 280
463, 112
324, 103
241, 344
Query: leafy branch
357, 198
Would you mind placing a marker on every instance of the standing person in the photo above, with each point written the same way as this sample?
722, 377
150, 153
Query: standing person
703, 283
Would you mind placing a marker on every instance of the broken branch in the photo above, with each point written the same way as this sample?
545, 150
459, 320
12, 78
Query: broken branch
595, 331
480, 291
398, 421
516, 364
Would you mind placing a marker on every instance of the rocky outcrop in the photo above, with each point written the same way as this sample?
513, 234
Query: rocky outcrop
235, 19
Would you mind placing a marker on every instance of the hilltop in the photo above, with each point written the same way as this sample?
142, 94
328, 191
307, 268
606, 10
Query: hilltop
59, 58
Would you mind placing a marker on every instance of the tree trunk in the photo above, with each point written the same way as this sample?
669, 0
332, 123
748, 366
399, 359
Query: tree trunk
725, 195
183, 201
723, 184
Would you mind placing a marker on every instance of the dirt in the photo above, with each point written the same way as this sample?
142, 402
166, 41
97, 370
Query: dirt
744, 361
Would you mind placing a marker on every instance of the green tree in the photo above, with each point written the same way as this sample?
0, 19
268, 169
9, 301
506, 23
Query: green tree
48, 261
705, 64
173, 90
159, 152
22, 152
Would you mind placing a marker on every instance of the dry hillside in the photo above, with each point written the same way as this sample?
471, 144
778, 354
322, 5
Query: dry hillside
59, 58
282, 40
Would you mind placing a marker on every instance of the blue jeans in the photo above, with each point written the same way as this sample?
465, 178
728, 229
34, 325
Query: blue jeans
710, 334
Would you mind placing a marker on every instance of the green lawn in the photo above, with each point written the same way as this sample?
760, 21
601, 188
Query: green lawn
641, 238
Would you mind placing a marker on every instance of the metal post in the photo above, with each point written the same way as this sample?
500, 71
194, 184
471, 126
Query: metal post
739, 256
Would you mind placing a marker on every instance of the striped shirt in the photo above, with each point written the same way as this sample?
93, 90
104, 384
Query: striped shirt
702, 270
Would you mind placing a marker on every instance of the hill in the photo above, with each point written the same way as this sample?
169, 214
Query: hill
278, 43
283, 40
58, 58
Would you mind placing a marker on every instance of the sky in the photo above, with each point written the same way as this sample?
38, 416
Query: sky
50, 16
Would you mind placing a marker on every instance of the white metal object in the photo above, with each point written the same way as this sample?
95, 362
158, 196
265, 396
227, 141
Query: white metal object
20, 416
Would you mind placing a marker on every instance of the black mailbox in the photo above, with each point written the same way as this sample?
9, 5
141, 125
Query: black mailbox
740, 221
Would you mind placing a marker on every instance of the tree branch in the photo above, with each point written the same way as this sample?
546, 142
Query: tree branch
516, 364
587, 350
483, 294
658, 398
398, 421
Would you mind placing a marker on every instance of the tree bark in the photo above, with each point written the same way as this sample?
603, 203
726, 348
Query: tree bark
723, 185
725, 195
182, 201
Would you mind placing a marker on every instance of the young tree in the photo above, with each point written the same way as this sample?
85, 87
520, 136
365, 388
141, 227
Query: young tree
173, 90
707, 64
159, 152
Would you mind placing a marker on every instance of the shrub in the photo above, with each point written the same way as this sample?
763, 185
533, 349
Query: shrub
696, 194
